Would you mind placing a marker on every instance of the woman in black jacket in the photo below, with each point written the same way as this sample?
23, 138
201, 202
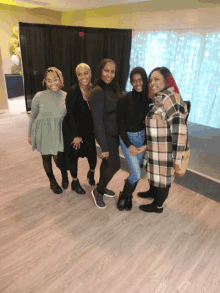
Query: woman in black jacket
132, 109
78, 133
103, 103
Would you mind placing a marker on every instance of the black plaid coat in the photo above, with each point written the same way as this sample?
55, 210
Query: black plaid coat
166, 136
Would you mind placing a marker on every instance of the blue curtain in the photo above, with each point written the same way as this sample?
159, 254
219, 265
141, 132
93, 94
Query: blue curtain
194, 61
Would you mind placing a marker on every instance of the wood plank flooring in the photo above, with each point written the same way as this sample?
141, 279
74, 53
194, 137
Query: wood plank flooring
63, 243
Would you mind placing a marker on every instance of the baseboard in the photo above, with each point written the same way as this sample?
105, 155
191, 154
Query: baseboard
200, 183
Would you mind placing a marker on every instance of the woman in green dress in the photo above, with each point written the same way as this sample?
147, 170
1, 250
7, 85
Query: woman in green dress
45, 126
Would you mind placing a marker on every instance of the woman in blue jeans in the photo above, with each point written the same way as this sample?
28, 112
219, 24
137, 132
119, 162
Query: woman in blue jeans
132, 109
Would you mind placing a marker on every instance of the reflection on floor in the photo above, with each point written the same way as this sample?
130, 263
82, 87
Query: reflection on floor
17, 105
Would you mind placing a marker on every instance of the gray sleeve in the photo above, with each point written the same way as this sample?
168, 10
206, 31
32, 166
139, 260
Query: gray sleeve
34, 112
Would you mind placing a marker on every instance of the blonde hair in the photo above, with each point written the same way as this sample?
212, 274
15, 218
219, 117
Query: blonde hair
82, 65
56, 72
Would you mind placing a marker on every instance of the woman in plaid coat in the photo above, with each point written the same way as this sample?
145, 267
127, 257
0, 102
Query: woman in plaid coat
166, 137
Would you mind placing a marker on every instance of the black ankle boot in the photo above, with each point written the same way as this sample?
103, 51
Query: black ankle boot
156, 206
90, 177
65, 181
128, 205
151, 208
148, 194
124, 195
55, 186
75, 185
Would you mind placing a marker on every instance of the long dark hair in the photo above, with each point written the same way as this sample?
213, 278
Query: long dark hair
98, 77
143, 74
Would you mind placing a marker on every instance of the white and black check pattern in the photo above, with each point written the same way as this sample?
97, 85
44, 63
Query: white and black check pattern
166, 136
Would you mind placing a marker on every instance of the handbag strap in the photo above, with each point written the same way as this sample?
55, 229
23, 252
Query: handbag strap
187, 142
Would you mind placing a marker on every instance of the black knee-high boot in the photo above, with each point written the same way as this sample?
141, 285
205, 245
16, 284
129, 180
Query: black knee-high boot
162, 194
157, 205
123, 196
128, 205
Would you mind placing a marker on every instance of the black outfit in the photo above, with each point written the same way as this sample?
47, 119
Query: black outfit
78, 123
103, 103
132, 110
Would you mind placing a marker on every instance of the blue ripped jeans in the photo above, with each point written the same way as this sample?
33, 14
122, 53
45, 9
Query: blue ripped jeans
134, 162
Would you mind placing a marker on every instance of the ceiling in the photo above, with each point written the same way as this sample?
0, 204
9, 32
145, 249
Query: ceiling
66, 5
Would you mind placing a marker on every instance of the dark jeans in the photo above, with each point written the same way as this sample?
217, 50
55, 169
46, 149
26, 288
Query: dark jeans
111, 165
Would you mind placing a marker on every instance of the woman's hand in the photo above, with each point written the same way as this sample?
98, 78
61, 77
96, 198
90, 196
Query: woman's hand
133, 150
142, 149
104, 155
29, 139
76, 142
176, 165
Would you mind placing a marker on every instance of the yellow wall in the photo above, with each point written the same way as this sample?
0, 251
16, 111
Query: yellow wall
154, 15
11, 15
3, 95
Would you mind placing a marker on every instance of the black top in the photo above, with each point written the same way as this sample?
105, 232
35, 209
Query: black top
78, 120
103, 103
132, 110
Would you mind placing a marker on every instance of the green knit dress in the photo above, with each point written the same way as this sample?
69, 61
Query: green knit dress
45, 127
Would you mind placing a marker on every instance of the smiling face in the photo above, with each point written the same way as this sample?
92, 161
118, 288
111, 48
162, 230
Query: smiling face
108, 72
137, 83
53, 82
157, 82
83, 74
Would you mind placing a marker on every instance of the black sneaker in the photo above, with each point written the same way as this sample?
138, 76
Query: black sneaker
98, 198
109, 193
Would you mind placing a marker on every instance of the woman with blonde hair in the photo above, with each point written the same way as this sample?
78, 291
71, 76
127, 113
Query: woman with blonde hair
45, 127
78, 133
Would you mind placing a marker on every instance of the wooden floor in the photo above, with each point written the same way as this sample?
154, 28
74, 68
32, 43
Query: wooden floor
64, 243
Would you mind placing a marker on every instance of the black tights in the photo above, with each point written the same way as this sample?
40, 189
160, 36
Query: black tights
92, 160
47, 163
